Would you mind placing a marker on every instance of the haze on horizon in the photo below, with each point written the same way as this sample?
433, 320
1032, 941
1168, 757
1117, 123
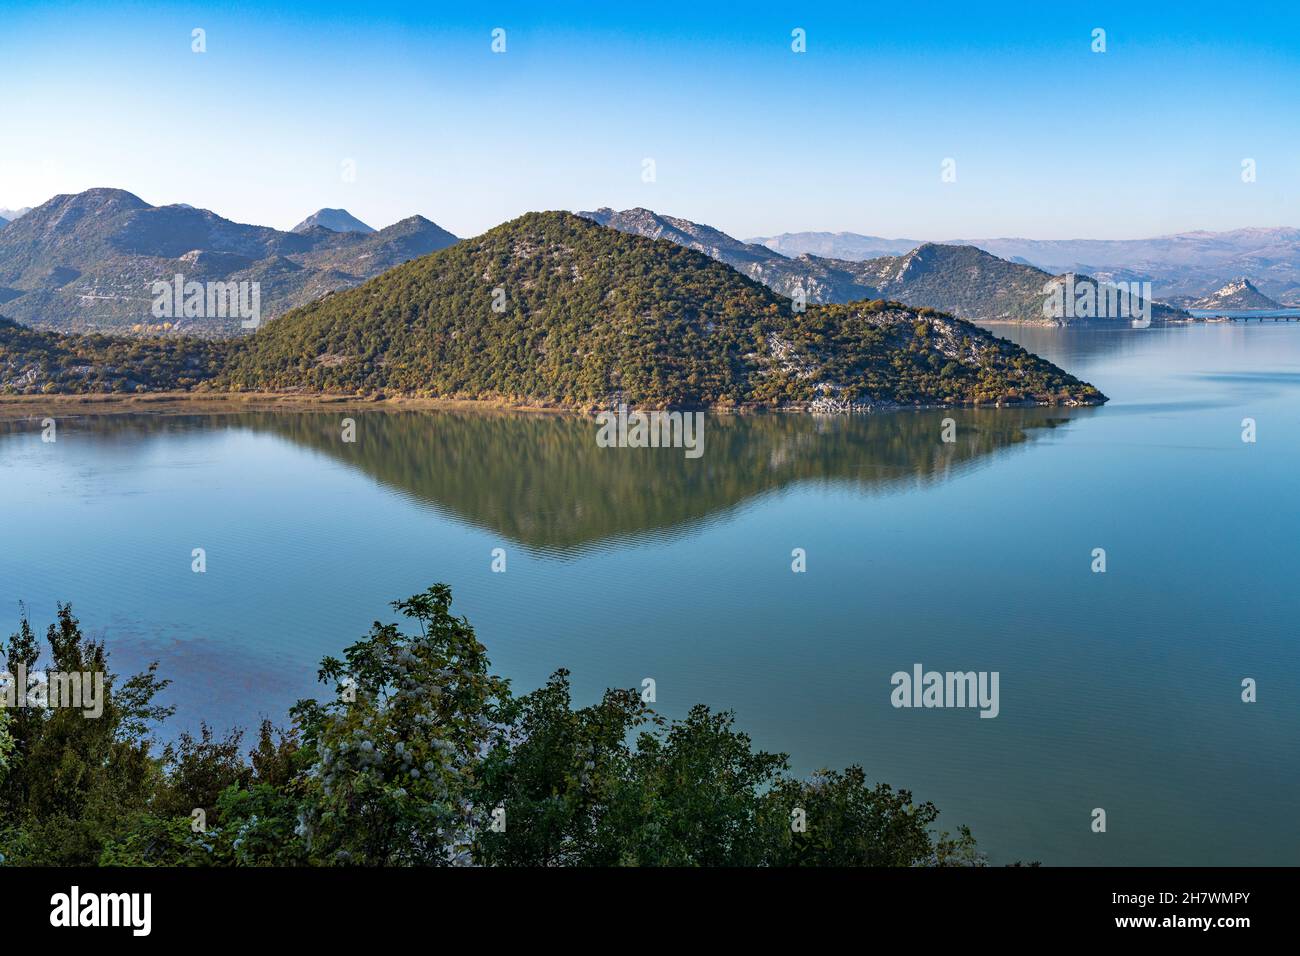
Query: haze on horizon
1050, 140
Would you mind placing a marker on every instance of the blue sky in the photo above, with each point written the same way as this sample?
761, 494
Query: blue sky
1050, 139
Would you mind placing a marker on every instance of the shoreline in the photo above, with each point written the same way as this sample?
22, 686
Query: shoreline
216, 403
14, 407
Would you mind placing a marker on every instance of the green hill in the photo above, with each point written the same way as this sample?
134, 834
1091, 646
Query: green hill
552, 308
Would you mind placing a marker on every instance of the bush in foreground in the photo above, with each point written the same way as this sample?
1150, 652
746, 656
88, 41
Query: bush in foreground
423, 757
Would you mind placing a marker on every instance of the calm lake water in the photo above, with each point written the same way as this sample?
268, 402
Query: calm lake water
1252, 314
1119, 690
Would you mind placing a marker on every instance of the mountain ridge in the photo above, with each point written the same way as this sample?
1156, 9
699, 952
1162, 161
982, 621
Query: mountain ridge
963, 280
88, 261
1180, 265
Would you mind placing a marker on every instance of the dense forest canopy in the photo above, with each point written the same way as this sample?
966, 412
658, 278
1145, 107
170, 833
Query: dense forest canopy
39, 362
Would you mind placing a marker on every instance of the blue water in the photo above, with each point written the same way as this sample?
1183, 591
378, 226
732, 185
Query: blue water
1247, 313
1118, 690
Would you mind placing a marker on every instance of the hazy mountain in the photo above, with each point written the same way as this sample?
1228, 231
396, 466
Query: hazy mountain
821, 280
335, 220
1240, 293
89, 261
835, 245
551, 308
3, 222
1189, 264
9, 215
962, 280
980, 287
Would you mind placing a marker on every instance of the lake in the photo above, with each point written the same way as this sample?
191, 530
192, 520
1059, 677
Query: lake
1270, 314
1120, 690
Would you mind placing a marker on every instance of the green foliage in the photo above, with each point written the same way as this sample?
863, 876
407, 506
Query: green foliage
156, 841
562, 776
198, 770
34, 362
74, 780
393, 754
6, 745
851, 823
422, 756
697, 796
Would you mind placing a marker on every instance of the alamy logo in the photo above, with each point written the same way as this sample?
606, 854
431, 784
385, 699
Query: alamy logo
622, 429
42, 690
949, 689
208, 300
1089, 299
102, 909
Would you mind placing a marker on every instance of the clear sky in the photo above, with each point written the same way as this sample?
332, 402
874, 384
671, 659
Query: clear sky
1050, 139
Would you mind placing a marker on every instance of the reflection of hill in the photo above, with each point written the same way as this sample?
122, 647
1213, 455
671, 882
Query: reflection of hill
543, 482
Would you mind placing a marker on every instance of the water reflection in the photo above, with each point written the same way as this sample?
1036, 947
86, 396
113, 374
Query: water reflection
1079, 349
543, 482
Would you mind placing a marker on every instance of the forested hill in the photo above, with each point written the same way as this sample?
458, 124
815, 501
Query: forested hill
552, 308
34, 361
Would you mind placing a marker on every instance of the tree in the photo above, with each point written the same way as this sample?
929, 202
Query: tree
392, 758
846, 822
76, 780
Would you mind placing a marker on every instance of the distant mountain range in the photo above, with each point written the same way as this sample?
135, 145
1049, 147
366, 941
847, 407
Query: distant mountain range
835, 245
821, 280
1189, 264
335, 220
9, 215
1238, 295
960, 279
88, 261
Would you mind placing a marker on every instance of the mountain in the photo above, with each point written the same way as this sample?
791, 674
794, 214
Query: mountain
1181, 265
335, 220
962, 280
554, 309
3, 222
89, 261
835, 245
979, 287
821, 280
9, 215
1239, 294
